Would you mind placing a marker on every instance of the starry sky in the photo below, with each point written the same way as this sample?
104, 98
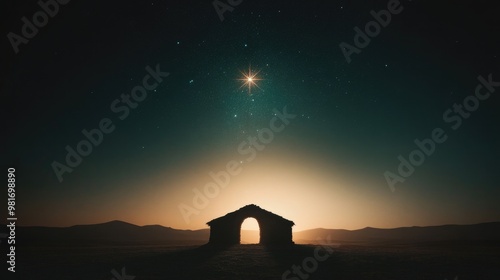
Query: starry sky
326, 168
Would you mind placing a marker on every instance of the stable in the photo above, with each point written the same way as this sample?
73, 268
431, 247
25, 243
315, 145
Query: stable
274, 229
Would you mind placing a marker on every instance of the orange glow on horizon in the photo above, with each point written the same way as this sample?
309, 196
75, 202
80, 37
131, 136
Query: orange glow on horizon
296, 188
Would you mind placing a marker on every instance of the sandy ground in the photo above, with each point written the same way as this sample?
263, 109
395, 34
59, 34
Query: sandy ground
438, 261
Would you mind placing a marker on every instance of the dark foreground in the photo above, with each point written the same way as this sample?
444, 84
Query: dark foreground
430, 261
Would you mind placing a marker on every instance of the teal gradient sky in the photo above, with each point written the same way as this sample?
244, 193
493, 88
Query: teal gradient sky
325, 169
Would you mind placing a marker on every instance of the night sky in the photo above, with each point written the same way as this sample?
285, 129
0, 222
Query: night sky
325, 168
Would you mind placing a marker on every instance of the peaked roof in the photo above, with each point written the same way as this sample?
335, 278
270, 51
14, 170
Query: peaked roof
250, 209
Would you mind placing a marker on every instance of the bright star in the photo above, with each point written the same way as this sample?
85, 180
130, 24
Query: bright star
250, 80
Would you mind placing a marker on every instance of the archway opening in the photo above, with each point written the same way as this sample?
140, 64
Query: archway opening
250, 231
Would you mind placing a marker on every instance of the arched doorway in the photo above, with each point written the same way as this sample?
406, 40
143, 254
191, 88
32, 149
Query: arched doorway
250, 231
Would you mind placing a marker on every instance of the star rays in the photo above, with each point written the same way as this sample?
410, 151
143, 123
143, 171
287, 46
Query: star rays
250, 80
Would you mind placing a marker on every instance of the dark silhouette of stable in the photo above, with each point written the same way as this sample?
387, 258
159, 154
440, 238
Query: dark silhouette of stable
274, 229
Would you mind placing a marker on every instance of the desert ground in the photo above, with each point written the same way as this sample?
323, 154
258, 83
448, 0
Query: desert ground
252, 261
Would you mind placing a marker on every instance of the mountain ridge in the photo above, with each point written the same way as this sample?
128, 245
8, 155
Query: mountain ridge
120, 232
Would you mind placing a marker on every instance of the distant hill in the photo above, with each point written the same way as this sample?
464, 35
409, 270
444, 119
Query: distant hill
118, 232
114, 232
477, 232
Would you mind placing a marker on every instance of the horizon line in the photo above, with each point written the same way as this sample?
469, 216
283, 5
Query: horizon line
317, 228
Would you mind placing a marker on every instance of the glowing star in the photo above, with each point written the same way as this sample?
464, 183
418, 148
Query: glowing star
250, 79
